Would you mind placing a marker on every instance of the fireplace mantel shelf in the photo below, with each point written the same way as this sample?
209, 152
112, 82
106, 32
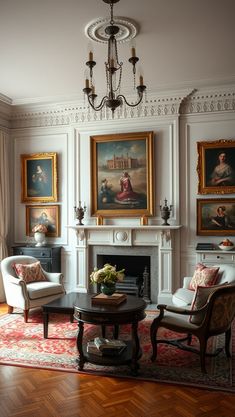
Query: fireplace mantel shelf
123, 227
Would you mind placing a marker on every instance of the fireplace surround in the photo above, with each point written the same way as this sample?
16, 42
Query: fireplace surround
160, 243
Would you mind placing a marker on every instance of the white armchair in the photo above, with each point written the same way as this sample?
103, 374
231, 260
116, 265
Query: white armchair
183, 297
29, 295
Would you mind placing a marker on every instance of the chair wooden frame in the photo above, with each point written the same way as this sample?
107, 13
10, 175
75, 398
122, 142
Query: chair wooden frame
203, 331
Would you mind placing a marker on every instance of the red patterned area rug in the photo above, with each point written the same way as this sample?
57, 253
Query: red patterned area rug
23, 345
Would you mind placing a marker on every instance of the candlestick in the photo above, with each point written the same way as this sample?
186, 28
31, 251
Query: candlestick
141, 80
90, 56
80, 212
87, 83
165, 212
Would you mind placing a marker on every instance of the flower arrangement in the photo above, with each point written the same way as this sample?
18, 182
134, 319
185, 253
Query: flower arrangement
107, 275
39, 228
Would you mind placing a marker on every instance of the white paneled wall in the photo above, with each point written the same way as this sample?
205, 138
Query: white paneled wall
67, 130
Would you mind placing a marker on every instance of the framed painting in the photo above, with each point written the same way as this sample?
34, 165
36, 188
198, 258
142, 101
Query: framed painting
216, 217
216, 167
47, 215
122, 174
39, 177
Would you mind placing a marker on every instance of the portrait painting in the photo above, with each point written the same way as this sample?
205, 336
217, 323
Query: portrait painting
39, 177
122, 174
216, 167
46, 215
216, 217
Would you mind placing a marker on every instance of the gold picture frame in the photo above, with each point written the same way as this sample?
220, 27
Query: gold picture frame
39, 177
216, 167
122, 175
216, 217
41, 214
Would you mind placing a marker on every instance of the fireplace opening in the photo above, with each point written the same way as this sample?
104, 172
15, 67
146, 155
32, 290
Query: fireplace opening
137, 273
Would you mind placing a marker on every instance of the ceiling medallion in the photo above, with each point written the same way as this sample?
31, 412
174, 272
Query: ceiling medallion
95, 30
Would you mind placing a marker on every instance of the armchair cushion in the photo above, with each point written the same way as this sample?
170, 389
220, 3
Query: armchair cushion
29, 272
43, 289
200, 298
203, 276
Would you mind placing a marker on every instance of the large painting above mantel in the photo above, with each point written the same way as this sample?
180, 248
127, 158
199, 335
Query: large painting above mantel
122, 174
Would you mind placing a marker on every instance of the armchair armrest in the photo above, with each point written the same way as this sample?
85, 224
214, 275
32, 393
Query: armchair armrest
186, 282
179, 310
54, 276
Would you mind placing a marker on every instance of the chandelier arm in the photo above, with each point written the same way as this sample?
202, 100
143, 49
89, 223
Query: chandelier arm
130, 104
99, 106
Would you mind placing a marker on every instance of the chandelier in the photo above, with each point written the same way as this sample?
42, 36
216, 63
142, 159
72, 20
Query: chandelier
113, 71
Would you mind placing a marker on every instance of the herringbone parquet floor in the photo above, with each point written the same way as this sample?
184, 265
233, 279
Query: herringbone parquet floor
38, 393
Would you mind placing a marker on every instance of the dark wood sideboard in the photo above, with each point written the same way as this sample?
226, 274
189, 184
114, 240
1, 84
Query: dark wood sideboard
49, 255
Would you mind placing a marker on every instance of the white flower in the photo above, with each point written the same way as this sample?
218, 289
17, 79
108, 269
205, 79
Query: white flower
108, 274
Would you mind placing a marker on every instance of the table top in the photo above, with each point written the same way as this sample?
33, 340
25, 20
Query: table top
83, 303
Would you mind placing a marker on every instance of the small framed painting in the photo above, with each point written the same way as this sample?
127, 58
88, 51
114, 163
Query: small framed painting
216, 217
122, 174
39, 177
46, 215
216, 167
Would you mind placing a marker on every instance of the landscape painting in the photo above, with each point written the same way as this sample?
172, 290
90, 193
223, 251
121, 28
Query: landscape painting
122, 174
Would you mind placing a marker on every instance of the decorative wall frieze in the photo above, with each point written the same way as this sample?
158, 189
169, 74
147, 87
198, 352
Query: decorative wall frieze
184, 101
206, 102
78, 113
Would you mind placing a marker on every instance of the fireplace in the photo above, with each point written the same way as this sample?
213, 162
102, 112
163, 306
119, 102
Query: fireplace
96, 244
140, 263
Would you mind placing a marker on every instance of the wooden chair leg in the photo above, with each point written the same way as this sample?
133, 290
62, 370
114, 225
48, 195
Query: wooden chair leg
153, 336
10, 309
227, 342
26, 316
203, 344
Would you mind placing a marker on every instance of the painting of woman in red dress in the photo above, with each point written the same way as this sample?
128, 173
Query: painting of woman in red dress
126, 195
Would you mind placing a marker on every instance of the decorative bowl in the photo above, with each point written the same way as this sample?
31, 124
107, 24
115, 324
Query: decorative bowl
223, 247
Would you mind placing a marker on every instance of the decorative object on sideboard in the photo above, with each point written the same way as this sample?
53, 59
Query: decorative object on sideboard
226, 244
165, 212
113, 71
80, 211
40, 231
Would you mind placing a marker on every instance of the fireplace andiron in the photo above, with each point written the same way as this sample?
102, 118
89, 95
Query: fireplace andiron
165, 212
80, 211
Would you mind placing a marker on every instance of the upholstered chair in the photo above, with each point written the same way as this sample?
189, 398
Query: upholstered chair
31, 292
212, 314
183, 296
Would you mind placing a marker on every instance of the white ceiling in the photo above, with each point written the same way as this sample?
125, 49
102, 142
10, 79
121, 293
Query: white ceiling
43, 47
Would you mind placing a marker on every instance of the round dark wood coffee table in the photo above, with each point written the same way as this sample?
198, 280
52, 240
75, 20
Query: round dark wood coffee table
131, 311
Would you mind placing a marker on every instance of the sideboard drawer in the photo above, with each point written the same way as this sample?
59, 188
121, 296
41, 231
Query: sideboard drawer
216, 257
49, 256
35, 252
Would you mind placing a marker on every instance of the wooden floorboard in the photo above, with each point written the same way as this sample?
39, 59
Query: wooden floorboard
28, 392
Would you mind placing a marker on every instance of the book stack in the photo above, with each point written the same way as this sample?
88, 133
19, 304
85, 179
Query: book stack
113, 299
205, 246
106, 347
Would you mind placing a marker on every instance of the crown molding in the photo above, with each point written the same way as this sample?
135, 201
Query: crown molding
158, 104
5, 111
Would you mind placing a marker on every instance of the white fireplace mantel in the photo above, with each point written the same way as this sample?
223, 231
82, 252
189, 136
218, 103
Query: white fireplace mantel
162, 237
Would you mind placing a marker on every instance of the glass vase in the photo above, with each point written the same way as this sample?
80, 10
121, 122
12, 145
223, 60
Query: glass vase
108, 289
